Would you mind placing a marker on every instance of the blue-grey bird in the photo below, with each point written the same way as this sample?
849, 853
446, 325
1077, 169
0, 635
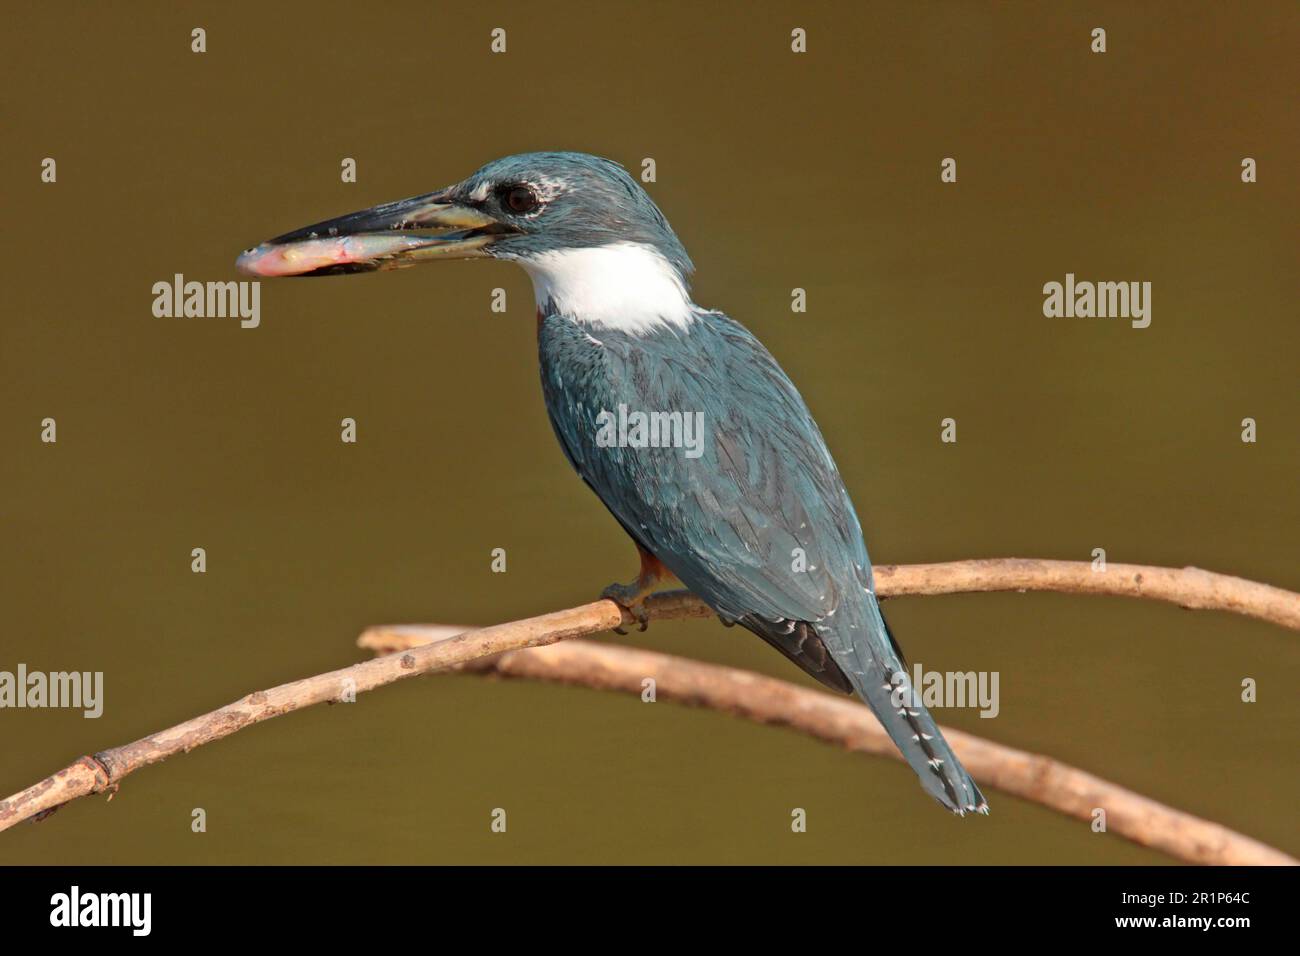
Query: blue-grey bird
676, 416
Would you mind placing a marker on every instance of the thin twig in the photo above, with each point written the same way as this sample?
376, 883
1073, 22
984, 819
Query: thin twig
1186, 587
104, 771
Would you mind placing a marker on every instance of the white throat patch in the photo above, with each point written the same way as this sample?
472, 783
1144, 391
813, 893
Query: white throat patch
627, 286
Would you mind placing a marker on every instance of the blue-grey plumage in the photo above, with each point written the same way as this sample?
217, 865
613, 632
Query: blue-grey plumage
742, 502
736, 523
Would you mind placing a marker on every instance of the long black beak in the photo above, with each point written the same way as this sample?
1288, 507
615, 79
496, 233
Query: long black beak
393, 235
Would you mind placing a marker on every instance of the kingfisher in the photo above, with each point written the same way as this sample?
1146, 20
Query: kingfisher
752, 515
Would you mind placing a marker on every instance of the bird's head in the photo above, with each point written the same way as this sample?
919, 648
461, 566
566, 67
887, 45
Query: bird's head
529, 207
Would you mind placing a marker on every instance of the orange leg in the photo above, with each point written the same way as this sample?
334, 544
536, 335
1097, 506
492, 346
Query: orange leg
632, 596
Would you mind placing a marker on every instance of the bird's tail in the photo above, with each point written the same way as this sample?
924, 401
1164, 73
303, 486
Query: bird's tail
881, 680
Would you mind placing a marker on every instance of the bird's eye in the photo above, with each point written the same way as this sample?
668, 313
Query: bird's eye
521, 199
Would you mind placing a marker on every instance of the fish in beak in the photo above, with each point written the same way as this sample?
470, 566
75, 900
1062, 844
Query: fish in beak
390, 236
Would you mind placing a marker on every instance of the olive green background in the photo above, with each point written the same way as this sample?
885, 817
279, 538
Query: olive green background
777, 170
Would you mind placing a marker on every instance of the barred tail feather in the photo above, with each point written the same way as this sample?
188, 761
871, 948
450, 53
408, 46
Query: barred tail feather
875, 662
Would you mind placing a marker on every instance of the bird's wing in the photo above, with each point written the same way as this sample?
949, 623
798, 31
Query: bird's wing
746, 507
753, 516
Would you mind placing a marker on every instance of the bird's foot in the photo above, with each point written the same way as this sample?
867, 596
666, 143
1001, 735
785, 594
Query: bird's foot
631, 598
